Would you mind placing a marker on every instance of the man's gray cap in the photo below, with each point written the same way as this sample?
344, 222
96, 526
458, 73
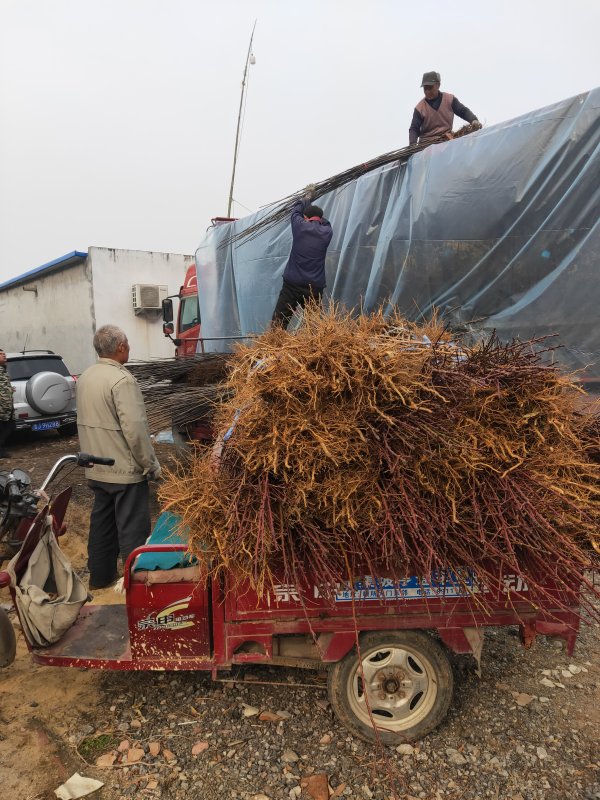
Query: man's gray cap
429, 78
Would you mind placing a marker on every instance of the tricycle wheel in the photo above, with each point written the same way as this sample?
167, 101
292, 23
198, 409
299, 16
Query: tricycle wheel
404, 687
8, 640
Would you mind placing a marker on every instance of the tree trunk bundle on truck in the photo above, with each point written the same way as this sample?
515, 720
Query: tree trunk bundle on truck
370, 446
181, 391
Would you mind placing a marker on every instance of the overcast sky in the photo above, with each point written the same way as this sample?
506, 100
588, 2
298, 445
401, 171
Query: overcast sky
118, 117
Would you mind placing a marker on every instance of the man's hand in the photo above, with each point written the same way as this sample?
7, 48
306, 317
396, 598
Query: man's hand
156, 474
476, 125
309, 192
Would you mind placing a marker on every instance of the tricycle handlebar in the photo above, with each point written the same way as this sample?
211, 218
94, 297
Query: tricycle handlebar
88, 460
81, 459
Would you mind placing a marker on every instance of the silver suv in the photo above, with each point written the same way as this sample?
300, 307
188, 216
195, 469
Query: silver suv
44, 397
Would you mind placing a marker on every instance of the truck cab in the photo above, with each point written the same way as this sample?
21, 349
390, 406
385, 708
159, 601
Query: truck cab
188, 316
189, 331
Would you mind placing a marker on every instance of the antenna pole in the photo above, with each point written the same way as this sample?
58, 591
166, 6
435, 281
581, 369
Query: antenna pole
237, 133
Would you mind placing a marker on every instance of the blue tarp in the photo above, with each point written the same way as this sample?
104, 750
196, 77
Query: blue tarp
498, 230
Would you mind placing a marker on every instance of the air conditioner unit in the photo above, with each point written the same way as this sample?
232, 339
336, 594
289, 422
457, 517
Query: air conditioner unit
148, 296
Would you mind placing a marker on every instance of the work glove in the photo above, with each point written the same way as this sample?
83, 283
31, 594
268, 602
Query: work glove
309, 192
476, 125
156, 474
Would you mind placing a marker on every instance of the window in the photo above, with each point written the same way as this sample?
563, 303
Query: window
189, 313
21, 369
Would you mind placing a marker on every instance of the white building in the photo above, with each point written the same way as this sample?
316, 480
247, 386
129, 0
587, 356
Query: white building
60, 305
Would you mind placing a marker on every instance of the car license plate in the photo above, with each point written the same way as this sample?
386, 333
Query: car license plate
45, 426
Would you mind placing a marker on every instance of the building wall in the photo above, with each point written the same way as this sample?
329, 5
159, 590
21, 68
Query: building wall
57, 317
72, 303
113, 274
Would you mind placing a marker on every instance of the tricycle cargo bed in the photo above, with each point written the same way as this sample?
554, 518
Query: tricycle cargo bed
175, 620
386, 672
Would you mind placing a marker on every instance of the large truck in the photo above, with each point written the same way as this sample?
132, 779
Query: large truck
188, 338
497, 232
184, 328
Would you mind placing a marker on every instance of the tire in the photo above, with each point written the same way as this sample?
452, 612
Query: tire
410, 680
68, 430
48, 393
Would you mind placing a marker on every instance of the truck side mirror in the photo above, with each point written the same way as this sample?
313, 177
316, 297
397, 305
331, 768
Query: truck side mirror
168, 328
167, 311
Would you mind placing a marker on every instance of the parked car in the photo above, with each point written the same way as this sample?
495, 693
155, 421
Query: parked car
44, 395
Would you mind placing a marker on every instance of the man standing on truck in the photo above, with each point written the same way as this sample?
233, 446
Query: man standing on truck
111, 421
304, 274
434, 114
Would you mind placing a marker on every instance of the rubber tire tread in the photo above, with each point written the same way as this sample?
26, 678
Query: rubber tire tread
422, 643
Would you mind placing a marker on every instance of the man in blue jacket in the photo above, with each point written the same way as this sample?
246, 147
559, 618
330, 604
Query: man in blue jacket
304, 274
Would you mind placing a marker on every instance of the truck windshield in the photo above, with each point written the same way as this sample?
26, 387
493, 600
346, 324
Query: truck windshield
189, 314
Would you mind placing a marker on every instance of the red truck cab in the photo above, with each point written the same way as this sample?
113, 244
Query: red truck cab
188, 316
189, 328
188, 336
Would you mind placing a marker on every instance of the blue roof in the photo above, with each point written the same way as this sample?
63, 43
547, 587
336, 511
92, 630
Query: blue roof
68, 260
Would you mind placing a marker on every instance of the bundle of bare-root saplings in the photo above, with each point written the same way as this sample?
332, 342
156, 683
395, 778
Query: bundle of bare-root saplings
369, 446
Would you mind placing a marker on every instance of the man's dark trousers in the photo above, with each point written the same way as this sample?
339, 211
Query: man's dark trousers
291, 296
120, 522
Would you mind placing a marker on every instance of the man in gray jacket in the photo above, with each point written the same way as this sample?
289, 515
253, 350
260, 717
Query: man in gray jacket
111, 420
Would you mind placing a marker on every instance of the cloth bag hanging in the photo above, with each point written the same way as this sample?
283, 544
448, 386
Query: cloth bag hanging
49, 595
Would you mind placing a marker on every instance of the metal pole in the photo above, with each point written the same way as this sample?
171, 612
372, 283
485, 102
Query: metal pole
237, 133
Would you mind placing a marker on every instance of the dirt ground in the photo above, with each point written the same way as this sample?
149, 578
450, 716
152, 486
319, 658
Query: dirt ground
493, 744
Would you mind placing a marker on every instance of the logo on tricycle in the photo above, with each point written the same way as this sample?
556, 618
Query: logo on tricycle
169, 618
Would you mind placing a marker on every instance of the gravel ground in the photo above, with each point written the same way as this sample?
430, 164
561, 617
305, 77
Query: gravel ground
508, 736
526, 730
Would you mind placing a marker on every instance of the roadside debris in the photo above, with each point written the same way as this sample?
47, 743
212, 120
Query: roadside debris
77, 786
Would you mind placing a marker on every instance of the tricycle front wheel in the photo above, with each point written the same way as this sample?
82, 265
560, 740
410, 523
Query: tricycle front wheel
401, 684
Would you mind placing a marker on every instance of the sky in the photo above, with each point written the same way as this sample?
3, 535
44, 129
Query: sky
118, 117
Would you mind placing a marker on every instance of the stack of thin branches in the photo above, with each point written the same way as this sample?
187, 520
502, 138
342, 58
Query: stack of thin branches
200, 369
181, 405
181, 391
283, 208
370, 446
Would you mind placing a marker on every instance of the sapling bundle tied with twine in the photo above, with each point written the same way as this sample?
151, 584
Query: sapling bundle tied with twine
369, 446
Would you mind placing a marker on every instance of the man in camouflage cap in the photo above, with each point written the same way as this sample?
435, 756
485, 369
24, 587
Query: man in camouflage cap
7, 422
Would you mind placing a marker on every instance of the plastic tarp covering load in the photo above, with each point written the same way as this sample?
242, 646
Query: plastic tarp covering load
498, 230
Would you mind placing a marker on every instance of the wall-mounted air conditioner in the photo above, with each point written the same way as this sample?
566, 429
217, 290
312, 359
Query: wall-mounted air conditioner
148, 296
